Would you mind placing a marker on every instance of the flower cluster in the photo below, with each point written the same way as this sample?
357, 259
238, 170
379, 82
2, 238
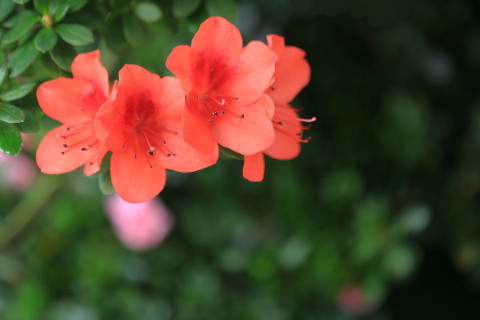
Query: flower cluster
223, 94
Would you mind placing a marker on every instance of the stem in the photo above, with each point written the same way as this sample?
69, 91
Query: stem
27, 209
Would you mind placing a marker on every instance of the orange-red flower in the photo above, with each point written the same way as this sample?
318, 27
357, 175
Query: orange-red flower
142, 128
292, 74
74, 102
225, 85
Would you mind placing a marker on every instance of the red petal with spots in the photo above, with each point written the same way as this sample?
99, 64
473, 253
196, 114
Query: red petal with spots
248, 135
49, 153
288, 129
134, 179
254, 167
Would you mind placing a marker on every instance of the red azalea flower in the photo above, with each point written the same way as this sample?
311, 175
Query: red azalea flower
292, 74
142, 128
75, 103
225, 85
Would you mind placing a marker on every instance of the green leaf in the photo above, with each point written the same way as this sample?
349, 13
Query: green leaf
11, 114
42, 6
3, 73
59, 11
76, 5
6, 7
21, 1
75, 34
21, 28
105, 183
63, 55
19, 18
132, 30
45, 40
2, 57
182, 8
22, 58
223, 8
31, 123
17, 92
115, 40
147, 12
226, 153
10, 139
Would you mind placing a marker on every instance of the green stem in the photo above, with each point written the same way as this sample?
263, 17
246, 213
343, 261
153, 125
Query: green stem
28, 208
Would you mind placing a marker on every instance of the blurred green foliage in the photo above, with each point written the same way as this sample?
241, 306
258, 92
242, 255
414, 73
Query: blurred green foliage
392, 170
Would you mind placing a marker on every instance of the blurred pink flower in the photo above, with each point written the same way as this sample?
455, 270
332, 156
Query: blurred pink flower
140, 226
352, 300
17, 172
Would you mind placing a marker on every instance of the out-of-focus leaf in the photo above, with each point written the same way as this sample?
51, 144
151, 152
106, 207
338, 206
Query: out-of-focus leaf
21, 1
42, 6
11, 114
132, 29
60, 10
114, 39
223, 8
226, 153
75, 34
17, 92
6, 7
182, 8
147, 12
63, 55
45, 40
76, 5
2, 57
22, 58
105, 183
21, 28
19, 18
31, 123
3, 73
10, 139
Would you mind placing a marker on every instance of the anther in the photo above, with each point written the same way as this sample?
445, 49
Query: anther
205, 96
222, 112
150, 152
272, 88
242, 116
236, 98
135, 157
65, 145
210, 120
63, 152
214, 113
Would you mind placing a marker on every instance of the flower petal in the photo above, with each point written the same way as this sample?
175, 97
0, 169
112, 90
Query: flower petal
196, 131
286, 145
217, 33
49, 153
178, 62
276, 43
187, 158
254, 167
108, 127
89, 67
256, 66
247, 135
135, 179
94, 165
292, 74
67, 100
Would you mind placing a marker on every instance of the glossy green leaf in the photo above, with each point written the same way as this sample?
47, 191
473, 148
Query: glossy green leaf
18, 91
59, 11
63, 55
21, 28
132, 30
10, 139
147, 12
223, 8
105, 183
42, 6
45, 40
31, 123
6, 7
3, 74
182, 8
22, 58
11, 114
21, 1
19, 18
75, 34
